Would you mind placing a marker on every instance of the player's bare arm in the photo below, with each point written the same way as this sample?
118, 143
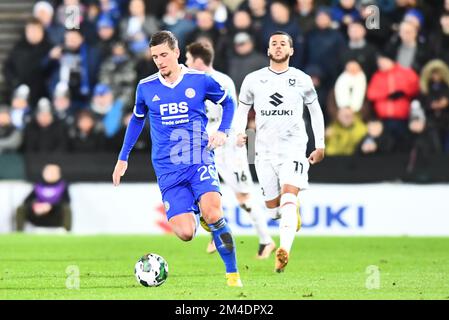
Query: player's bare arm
316, 156
119, 171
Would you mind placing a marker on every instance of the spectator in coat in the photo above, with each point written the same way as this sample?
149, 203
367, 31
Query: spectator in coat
409, 51
391, 90
24, 64
89, 24
205, 28
175, 20
245, 59
20, 107
48, 205
377, 140
345, 133
76, 63
324, 48
242, 22
259, 11
439, 40
108, 111
434, 83
305, 10
344, 13
44, 12
358, 48
349, 92
107, 36
424, 144
45, 134
63, 109
85, 136
137, 29
423, 139
118, 72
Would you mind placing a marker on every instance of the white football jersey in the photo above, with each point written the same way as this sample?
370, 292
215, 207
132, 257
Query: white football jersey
214, 112
231, 161
278, 100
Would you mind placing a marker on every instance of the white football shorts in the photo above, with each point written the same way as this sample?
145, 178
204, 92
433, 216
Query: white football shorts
232, 166
273, 173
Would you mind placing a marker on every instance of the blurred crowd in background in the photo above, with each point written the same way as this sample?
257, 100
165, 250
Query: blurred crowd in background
380, 68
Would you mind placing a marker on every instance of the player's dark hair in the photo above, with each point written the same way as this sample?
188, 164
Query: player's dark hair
290, 39
33, 21
164, 36
75, 31
201, 50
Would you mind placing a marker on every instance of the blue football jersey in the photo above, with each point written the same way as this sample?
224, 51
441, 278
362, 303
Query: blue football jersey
177, 115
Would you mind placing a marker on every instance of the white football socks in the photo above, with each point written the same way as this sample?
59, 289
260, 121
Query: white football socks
196, 216
274, 213
289, 220
259, 222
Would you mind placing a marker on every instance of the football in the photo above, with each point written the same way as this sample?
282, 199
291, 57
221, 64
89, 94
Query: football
151, 270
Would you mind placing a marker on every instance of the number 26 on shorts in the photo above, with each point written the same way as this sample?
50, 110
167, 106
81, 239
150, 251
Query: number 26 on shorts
207, 172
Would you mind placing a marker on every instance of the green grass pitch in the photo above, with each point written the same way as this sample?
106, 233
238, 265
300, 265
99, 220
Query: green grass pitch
35, 267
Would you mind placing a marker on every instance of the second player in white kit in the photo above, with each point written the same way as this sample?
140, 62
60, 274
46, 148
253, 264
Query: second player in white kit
281, 138
230, 160
278, 94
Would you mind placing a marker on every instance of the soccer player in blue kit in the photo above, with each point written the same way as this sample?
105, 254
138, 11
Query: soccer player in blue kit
182, 153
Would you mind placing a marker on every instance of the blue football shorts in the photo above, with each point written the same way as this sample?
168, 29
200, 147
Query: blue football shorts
181, 190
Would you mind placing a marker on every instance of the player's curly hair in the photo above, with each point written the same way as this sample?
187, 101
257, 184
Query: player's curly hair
164, 36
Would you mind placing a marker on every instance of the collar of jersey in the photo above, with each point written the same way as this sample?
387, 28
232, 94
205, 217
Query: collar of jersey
174, 84
281, 72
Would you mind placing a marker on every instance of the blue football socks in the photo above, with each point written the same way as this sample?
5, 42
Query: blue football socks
224, 242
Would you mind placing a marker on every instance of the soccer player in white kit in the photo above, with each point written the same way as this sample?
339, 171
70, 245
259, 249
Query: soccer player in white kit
278, 94
230, 160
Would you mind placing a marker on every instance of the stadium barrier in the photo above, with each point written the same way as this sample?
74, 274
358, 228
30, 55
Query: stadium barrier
93, 167
97, 167
12, 167
388, 209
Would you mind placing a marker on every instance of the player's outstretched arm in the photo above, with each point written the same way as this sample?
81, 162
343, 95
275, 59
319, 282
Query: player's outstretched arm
119, 171
133, 131
317, 120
